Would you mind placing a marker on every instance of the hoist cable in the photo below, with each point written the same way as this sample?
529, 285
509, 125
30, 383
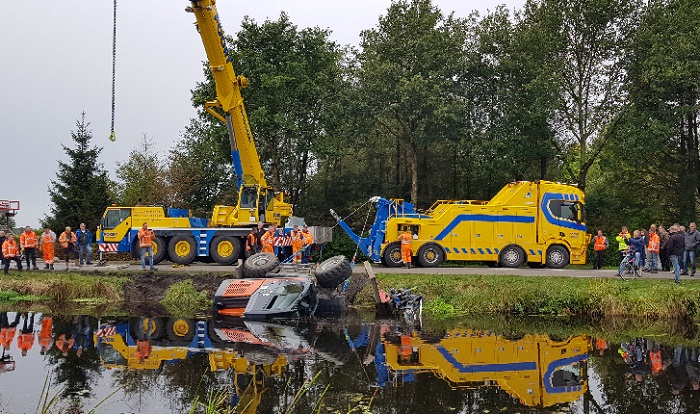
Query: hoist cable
112, 136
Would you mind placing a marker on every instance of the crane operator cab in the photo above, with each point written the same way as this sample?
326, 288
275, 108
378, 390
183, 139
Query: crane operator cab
257, 202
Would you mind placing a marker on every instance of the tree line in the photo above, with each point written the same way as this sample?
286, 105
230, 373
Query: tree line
599, 93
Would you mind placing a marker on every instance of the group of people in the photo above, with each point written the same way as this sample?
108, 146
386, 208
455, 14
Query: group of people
259, 240
653, 250
77, 244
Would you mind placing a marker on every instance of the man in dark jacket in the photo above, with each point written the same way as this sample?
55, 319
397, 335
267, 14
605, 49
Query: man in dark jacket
663, 253
692, 240
675, 248
2, 240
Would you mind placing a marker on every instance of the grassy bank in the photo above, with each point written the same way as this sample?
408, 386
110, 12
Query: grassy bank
447, 296
61, 287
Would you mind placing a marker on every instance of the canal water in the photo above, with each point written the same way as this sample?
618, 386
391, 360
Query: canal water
77, 363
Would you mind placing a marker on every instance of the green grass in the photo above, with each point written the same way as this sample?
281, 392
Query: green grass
183, 299
447, 296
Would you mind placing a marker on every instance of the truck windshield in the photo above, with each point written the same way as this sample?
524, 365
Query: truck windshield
114, 217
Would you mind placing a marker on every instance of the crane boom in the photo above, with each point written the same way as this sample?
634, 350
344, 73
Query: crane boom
244, 155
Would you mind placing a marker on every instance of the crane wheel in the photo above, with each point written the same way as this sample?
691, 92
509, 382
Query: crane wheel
182, 249
225, 250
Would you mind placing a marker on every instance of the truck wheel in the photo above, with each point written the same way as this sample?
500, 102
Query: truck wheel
182, 249
512, 256
144, 325
180, 329
259, 264
330, 273
557, 257
159, 249
430, 255
225, 249
392, 255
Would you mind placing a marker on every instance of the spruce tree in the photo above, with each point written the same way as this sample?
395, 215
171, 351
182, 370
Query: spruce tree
81, 191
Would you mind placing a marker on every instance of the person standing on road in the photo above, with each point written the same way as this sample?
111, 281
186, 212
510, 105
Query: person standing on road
600, 245
653, 247
146, 237
84, 244
10, 252
405, 239
268, 239
67, 240
308, 241
692, 240
251, 242
622, 242
28, 242
663, 253
297, 245
259, 234
675, 248
47, 247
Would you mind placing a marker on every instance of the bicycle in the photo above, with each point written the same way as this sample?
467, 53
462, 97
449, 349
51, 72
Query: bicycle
630, 269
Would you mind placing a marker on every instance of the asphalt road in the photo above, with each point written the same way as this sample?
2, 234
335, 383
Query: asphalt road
523, 271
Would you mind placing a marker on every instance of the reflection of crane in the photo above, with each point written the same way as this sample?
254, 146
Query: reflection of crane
538, 371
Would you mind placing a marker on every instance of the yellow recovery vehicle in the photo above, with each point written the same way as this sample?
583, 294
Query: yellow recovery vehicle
539, 223
180, 236
536, 370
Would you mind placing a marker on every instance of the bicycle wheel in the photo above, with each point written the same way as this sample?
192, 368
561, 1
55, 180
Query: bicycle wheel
638, 271
629, 269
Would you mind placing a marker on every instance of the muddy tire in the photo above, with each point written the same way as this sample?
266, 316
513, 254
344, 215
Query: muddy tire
392, 255
557, 257
430, 255
143, 325
182, 249
512, 256
225, 250
332, 272
259, 264
180, 329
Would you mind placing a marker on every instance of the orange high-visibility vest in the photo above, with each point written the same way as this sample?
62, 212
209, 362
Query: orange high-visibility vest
655, 359
146, 238
47, 238
405, 238
28, 240
45, 333
268, 242
599, 243
308, 238
250, 242
67, 238
10, 249
654, 242
25, 341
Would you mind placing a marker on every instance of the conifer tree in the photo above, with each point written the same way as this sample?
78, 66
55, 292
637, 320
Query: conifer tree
81, 191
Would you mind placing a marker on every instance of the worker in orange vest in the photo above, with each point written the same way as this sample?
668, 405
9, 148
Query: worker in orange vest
654, 247
146, 237
10, 251
25, 340
308, 241
46, 334
405, 239
251, 242
47, 247
600, 245
268, 239
297, 244
67, 240
28, 242
143, 340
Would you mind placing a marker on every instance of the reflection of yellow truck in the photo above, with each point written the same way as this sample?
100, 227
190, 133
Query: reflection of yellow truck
539, 223
538, 371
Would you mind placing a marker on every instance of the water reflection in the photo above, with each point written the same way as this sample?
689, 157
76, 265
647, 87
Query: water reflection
164, 364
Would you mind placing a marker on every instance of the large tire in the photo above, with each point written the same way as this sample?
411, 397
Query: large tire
392, 255
180, 329
143, 325
512, 256
557, 257
225, 250
430, 255
159, 249
259, 264
330, 273
182, 249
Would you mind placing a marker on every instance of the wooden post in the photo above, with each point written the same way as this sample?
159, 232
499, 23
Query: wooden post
380, 307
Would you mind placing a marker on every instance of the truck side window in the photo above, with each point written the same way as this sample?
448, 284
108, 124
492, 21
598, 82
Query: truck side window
114, 217
568, 210
249, 197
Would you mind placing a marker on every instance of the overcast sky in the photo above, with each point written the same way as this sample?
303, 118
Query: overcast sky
56, 62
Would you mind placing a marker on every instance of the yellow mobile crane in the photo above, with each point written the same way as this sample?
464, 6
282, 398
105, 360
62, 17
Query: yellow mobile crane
180, 236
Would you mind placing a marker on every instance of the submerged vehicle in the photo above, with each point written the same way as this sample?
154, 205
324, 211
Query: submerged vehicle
264, 288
